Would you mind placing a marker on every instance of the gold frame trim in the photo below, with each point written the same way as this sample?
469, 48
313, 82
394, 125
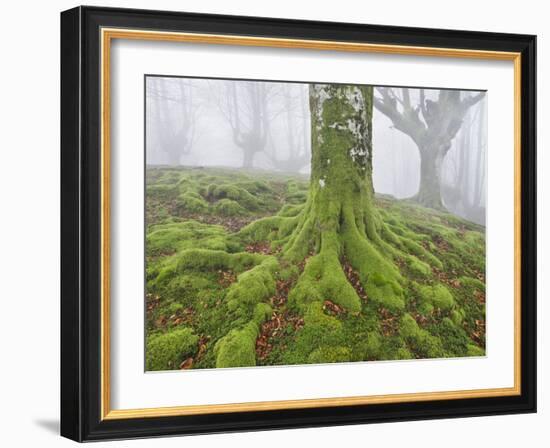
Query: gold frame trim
107, 35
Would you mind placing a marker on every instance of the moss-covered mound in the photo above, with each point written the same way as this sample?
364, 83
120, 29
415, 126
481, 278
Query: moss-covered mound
234, 280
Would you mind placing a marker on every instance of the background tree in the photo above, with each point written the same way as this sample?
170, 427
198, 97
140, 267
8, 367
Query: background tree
432, 125
174, 112
295, 113
244, 106
464, 191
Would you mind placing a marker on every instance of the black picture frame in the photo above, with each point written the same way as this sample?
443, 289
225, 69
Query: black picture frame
81, 224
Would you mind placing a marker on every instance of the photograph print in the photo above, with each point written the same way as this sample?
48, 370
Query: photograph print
302, 223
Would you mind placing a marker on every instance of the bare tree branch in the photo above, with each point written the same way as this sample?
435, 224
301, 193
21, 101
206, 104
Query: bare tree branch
407, 121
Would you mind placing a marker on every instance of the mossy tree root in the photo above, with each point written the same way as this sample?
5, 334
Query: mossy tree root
245, 300
338, 221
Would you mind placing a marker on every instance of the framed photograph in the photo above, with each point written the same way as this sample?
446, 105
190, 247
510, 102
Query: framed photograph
273, 224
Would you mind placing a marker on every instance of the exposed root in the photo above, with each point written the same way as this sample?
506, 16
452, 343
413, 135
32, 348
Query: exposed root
380, 277
324, 279
252, 287
355, 259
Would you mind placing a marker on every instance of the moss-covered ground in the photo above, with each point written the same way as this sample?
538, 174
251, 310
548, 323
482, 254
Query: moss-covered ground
220, 293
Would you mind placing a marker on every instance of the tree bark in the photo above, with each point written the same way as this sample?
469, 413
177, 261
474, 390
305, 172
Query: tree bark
338, 231
341, 161
339, 220
429, 190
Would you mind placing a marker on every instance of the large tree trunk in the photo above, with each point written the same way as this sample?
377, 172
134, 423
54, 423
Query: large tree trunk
440, 122
339, 221
337, 233
341, 163
429, 190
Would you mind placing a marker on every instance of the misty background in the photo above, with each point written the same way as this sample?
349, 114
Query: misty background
266, 125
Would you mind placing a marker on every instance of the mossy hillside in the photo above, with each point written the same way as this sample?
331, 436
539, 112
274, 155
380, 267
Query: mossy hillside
206, 277
178, 236
203, 194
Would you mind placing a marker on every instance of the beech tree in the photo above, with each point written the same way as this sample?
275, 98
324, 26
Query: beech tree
175, 114
244, 106
432, 125
338, 228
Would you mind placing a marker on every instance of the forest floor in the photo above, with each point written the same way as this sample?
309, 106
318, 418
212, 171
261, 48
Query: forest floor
191, 212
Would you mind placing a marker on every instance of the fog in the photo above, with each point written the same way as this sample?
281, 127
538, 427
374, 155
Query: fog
266, 125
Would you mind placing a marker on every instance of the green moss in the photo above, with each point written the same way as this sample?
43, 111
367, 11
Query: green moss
169, 177
403, 353
290, 272
167, 350
262, 229
454, 339
252, 287
161, 191
200, 260
228, 207
323, 279
192, 203
385, 292
303, 240
379, 276
324, 355
472, 283
238, 347
419, 340
204, 259
457, 316
289, 211
373, 346
418, 268
297, 198
197, 271
255, 187
422, 253
174, 308
173, 237
186, 284
234, 193
320, 330
474, 350
438, 296
262, 312
394, 347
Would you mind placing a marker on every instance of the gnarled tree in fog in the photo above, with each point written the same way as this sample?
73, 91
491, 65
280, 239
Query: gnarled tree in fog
432, 125
174, 113
244, 106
